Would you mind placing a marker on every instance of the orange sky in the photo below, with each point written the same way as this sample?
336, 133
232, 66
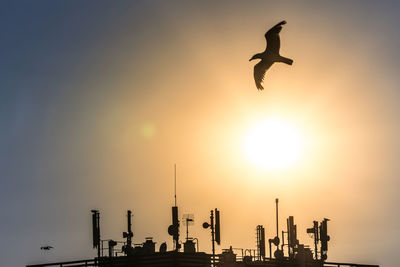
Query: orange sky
139, 87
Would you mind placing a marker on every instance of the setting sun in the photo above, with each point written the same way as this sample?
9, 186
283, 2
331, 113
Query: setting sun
273, 144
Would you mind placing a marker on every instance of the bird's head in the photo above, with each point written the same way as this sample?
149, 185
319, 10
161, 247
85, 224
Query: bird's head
256, 56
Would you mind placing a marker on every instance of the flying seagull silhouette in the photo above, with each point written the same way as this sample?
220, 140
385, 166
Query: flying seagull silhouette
270, 55
46, 247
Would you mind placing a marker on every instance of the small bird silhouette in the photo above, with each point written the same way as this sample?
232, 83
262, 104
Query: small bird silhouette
270, 55
46, 247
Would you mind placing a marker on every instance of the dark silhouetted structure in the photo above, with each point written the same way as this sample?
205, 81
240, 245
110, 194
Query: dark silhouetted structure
46, 247
96, 230
291, 253
260, 242
270, 55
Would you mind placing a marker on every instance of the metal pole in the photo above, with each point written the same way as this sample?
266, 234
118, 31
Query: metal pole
175, 183
288, 237
258, 230
129, 237
212, 236
197, 243
316, 239
270, 250
98, 227
187, 229
277, 225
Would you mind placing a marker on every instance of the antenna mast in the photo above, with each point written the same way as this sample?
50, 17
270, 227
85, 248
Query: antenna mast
175, 182
173, 229
277, 223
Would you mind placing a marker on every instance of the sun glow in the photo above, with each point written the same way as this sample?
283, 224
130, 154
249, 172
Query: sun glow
274, 144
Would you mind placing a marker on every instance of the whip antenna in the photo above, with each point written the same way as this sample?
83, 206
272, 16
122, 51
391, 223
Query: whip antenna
175, 183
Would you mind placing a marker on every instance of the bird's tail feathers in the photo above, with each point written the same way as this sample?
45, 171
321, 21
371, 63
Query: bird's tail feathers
286, 60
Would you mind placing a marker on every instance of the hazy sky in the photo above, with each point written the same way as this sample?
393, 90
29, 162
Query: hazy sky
99, 99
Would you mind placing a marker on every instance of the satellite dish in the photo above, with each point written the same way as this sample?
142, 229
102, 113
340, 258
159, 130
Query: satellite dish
172, 230
276, 241
278, 254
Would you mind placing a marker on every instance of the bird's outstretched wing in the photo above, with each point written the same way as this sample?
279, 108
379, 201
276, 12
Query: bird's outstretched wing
272, 37
259, 72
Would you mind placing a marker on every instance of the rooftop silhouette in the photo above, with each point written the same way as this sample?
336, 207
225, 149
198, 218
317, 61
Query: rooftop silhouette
284, 248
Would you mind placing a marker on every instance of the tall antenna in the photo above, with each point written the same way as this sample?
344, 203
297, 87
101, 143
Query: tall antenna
175, 182
173, 229
277, 223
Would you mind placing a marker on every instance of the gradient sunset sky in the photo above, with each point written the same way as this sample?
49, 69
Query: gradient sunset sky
99, 100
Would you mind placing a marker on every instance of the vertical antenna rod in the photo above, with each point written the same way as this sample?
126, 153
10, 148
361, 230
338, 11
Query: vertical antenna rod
130, 234
96, 231
175, 182
277, 226
187, 229
316, 239
173, 229
212, 237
